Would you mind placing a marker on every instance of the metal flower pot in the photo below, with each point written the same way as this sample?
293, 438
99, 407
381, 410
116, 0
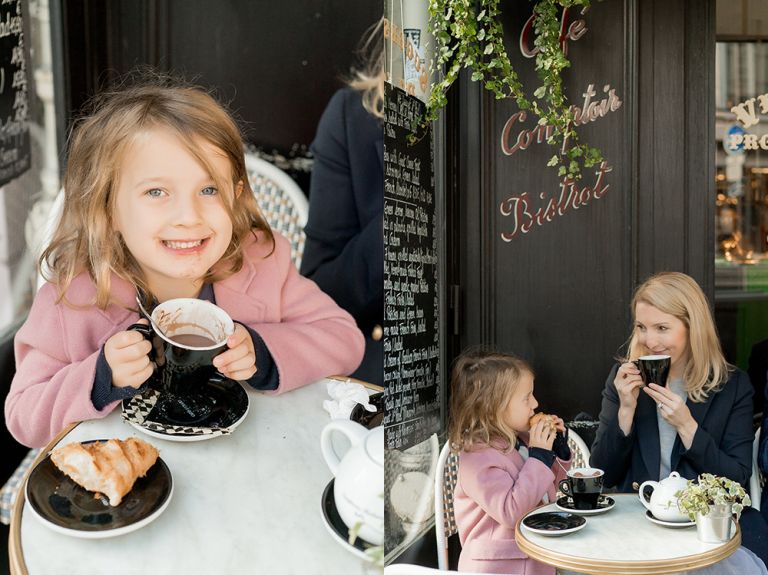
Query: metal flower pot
717, 526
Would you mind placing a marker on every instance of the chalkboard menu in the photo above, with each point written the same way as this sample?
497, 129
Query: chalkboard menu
14, 103
411, 319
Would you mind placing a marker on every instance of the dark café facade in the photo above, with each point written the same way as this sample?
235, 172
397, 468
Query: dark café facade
544, 267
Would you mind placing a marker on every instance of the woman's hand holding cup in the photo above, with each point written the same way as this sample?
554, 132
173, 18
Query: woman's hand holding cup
628, 382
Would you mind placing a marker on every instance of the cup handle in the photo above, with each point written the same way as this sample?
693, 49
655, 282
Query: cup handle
565, 487
353, 431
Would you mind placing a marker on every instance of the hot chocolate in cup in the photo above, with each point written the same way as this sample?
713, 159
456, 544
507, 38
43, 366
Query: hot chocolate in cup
583, 486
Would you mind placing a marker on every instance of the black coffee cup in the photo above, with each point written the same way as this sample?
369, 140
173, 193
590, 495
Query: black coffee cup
583, 486
654, 368
190, 334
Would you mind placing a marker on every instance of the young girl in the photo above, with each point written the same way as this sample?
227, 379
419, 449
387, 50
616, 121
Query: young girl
157, 202
506, 468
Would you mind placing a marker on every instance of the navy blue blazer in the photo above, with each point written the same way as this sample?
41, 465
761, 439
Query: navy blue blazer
722, 444
344, 251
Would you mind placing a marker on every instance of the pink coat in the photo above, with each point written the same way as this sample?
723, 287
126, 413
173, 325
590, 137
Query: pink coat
308, 335
494, 491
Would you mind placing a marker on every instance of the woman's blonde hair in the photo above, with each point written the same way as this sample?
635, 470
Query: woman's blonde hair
482, 384
86, 239
369, 77
679, 295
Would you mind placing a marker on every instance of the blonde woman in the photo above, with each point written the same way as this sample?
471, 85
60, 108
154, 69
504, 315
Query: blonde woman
344, 253
507, 465
699, 422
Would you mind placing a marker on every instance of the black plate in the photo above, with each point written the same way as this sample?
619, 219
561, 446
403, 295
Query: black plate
166, 417
553, 521
334, 522
221, 401
66, 506
604, 503
369, 419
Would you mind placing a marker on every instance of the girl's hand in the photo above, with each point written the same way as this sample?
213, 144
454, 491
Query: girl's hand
559, 424
673, 408
239, 361
541, 435
628, 383
126, 353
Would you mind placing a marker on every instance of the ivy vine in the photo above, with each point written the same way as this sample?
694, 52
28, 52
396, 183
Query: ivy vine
469, 35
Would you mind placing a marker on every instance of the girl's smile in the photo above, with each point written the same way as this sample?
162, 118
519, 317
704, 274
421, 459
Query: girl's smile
170, 213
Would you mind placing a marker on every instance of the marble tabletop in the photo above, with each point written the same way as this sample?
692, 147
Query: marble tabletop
242, 503
624, 541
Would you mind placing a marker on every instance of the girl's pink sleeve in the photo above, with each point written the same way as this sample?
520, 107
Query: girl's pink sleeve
49, 390
315, 338
504, 497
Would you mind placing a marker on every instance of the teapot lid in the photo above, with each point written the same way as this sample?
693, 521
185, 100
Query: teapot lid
374, 445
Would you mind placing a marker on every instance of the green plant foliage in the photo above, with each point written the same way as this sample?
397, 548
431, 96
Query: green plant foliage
709, 490
469, 35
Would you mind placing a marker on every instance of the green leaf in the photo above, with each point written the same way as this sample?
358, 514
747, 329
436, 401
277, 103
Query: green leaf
488, 49
553, 161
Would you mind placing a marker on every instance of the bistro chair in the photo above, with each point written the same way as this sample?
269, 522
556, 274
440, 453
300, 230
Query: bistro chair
281, 201
579, 450
757, 480
446, 476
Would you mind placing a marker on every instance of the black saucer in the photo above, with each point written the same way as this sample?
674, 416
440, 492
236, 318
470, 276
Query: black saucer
68, 508
369, 419
554, 522
219, 402
335, 523
604, 504
170, 417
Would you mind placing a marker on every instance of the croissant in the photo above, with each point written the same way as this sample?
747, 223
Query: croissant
108, 467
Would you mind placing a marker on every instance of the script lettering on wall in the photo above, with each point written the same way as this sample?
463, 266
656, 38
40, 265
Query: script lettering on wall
529, 209
14, 102
413, 387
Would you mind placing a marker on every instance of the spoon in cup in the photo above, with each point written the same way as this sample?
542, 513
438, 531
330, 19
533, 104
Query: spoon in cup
149, 317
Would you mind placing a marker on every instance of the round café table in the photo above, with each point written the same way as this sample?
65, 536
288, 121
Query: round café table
623, 541
248, 502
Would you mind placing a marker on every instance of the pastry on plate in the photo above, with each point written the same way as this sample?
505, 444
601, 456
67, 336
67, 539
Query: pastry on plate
107, 467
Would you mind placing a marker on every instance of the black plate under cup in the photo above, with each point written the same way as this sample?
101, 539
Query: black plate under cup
224, 400
62, 502
553, 521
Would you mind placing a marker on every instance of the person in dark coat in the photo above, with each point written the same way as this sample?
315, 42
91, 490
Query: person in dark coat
699, 422
344, 251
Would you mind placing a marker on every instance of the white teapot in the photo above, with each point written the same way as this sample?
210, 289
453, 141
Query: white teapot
358, 490
663, 502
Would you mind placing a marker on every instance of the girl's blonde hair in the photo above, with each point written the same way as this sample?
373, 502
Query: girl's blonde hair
85, 239
369, 78
679, 295
482, 384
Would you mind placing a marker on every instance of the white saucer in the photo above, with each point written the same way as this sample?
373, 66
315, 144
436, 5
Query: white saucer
672, 524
